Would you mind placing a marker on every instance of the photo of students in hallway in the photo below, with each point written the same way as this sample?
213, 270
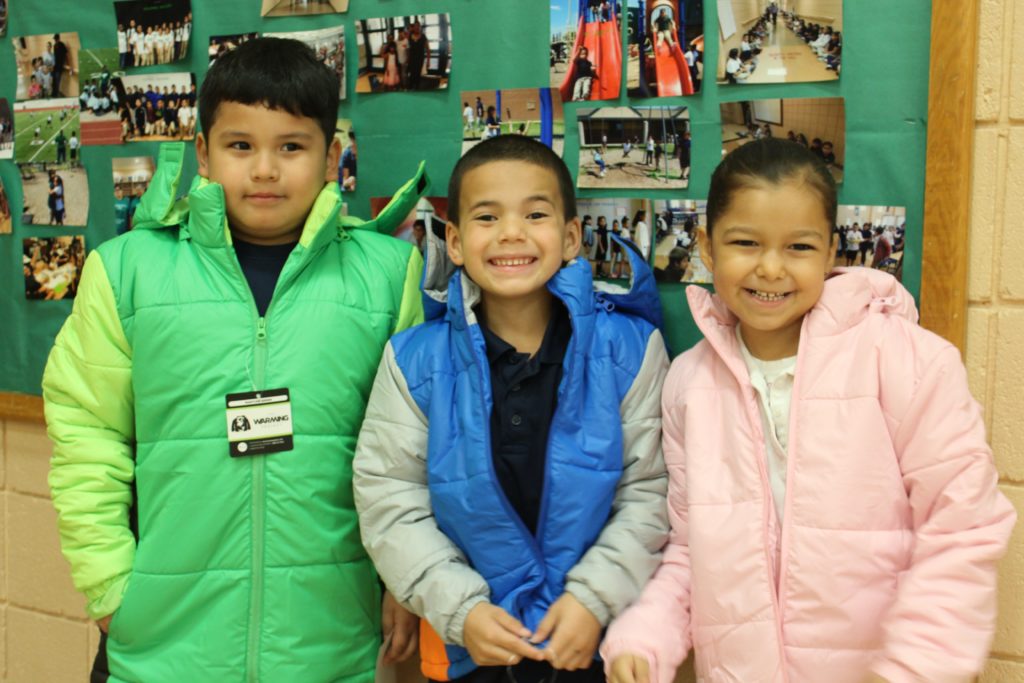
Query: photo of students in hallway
603, 218
771, 41
676, 256
871, 236
817, 123
411, 52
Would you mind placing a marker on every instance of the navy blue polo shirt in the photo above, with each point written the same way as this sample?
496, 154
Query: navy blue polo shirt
262, 266
524, 390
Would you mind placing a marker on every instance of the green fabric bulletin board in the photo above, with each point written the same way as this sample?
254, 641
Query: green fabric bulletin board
495, 44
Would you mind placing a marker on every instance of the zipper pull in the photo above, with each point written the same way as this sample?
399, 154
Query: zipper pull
261, 328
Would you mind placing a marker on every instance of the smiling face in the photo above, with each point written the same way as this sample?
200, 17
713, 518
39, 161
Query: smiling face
769, 253
512, 236
271, 164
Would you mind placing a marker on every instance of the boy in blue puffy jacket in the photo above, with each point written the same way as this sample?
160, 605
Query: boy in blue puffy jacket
508, 475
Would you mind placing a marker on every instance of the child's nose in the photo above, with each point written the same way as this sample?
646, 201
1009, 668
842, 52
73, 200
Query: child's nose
264, 167
771, 265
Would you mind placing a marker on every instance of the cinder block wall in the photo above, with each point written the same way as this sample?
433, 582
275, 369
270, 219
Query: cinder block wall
45, 637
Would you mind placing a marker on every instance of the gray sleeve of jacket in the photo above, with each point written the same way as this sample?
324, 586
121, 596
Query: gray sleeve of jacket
611, 574
421, 567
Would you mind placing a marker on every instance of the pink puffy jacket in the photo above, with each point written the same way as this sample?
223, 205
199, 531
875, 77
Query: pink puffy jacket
892, 523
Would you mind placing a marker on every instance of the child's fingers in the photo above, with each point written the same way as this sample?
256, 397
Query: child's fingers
410, 648
641, 670
545, 627
511, 624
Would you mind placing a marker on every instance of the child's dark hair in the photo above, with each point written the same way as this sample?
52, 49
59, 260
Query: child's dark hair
278, 73
512, 148
769, 160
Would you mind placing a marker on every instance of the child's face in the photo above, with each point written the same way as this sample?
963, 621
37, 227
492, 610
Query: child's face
271, 164
769, 254
511, 237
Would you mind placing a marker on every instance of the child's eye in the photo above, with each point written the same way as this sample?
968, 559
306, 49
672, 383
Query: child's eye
537, 215
744, 243
803, 247
485, 218
291, 147
239, 145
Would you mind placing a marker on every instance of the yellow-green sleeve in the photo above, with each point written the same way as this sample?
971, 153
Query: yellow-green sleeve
89, 406
411, 311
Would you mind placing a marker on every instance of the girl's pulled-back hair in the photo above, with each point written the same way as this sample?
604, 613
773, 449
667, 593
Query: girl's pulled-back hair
769, 161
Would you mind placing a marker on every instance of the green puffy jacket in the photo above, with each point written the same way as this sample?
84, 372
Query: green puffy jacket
246, 568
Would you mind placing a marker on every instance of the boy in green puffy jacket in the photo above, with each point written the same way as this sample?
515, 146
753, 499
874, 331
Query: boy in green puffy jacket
205, 395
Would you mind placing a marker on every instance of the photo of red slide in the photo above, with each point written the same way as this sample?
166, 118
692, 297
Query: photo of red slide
603, 41
672, 72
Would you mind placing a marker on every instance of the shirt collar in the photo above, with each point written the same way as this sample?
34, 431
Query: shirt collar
552, 347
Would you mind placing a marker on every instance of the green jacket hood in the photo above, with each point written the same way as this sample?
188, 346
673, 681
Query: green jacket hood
202, 216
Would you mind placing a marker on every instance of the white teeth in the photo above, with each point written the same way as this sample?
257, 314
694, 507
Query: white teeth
767, 296
512, 261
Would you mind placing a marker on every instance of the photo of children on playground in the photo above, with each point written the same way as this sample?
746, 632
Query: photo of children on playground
606, 218
150, 33
872, 236
768, 41
46, 66
586, 49
665, 47
634, 147
287, 8
676, 257
430, 213
534, 112
329, 46
411, 52
156, 106
817, 123
52, 266
131, 178
6, 130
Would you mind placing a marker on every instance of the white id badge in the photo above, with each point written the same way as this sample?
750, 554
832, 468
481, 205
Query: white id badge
259, 422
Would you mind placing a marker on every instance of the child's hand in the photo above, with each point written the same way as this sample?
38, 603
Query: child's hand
629, 668
574, 633
401, 626
874, 678
496, 638
104, 623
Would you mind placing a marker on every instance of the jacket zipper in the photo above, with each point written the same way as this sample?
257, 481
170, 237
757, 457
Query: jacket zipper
258, 511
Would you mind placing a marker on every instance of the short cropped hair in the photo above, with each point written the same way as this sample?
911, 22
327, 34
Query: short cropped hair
512, 148
769, 160
278, 73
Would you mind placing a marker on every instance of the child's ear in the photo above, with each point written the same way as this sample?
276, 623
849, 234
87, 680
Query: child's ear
704, 245
573, 239
333, 155
453, 242
203, 155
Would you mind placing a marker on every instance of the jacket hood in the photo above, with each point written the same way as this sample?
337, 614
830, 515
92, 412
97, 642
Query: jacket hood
201, 213
447, 290
850, 294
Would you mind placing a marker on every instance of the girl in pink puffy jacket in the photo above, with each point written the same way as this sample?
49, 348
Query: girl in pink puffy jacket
834, 507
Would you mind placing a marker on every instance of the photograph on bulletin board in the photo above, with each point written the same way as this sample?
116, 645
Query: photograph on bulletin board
155, 31
817, 123
54, 195
586, 49
665, 47
329, 46
625, 218
289, 8
152, 107
404, 53
634, 147
47, 127
131, 178
5, 211
348, 162
6, 129
676, 257
430, 213
221, 45
3, 17
99, 101
534, 112
764, 41
52, 266
46, 66
872, 236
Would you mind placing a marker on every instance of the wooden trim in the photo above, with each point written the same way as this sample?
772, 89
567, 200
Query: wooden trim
21, 407
947, 194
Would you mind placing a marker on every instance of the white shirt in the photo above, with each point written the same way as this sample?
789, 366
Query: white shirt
773, 382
